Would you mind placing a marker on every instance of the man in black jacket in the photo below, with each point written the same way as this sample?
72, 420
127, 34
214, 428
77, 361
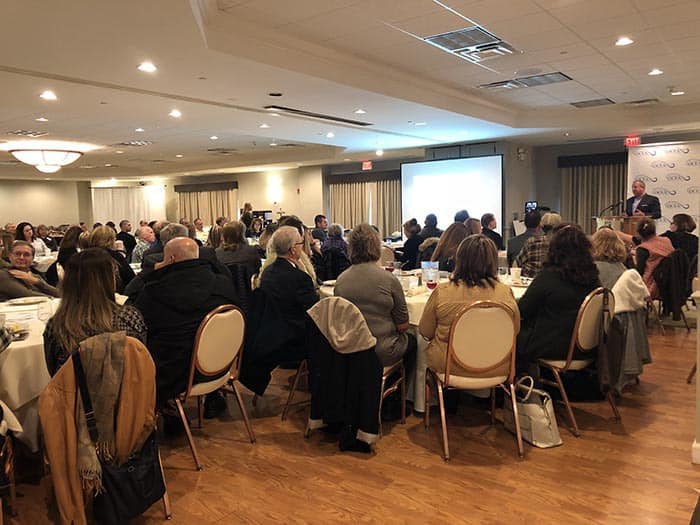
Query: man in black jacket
176, 296
642, 204
125, 236
278, 328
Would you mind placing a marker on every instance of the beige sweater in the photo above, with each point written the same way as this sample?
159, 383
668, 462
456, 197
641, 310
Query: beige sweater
443, 306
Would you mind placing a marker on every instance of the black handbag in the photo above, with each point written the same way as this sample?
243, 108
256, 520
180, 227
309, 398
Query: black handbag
128, 490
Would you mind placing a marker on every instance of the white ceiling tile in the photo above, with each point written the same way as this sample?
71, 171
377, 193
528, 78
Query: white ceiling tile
674, 14
433, 23
535, 23
486, 12
548, 40
591, 11
612, 27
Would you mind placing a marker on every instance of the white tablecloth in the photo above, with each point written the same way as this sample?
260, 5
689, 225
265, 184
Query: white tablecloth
42, 263
416, 304
23, 373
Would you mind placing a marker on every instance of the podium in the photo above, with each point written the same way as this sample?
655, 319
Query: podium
618, 222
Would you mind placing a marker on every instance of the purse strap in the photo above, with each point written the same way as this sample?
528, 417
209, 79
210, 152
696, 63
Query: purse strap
85, 396
520, 385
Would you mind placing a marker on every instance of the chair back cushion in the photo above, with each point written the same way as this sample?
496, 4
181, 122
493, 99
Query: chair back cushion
482, 336
589, 318
342, 324
387, 255
219, 340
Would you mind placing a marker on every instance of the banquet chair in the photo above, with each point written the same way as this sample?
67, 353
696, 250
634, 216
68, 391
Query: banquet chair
386, 255
400, 382
482, 342
691, 375
592, 321
302, 371
7, 462
216, 363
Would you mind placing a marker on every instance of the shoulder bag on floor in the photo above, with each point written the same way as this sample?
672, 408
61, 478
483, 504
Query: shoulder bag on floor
538, 423
128, 489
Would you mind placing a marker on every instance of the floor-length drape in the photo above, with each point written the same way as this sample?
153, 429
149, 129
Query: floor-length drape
131, 203
208, 205
586, 190
386, 206
349, 203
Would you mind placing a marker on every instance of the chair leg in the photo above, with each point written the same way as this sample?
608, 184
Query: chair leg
426, 408
493, 406
381, 404
200, 412
613, 405
685, 320
403, 394
565, 398
166, 499
188, 432
516, 418
239, 399
692, 374
443, 421
295, 384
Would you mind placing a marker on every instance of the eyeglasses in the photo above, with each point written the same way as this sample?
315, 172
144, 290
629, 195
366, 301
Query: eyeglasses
301, 243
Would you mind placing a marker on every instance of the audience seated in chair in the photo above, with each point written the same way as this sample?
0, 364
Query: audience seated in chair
20, 279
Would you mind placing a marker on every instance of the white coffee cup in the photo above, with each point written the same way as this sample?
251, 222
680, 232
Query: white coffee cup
515, 275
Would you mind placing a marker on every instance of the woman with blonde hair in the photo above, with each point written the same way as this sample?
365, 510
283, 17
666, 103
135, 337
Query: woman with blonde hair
609, 255
104, 237
446, 248
87, 308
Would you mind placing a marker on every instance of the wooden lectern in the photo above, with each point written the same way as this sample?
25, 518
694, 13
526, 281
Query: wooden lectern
618, 222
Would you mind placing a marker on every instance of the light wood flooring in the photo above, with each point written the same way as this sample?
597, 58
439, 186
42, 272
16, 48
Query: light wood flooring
637, 472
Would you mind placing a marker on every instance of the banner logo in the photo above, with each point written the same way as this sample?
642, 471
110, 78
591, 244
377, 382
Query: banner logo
693, 162
663, 164
693, 190
676, 205
646, 178
644, 153
663, 191
677, 177
684, 150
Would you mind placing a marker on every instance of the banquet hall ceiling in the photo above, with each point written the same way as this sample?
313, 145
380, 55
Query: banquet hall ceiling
218, 61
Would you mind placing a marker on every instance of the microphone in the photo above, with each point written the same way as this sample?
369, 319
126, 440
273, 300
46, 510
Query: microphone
612, 206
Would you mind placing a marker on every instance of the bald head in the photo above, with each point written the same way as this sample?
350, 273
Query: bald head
180, 249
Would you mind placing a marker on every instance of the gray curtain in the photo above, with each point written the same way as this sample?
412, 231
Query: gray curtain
586, 190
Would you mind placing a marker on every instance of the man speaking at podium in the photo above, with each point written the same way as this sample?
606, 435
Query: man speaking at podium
642, 204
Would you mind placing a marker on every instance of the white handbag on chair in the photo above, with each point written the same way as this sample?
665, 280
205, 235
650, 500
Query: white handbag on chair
538, 423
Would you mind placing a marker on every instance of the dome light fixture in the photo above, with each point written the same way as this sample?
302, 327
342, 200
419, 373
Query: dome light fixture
47, 156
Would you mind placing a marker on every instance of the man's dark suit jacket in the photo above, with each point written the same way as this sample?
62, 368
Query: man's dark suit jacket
649, 205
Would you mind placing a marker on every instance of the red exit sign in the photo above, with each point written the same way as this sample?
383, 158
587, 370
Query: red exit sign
632, 141
366, 165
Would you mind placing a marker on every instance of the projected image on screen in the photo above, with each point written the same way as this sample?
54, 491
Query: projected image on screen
443, 187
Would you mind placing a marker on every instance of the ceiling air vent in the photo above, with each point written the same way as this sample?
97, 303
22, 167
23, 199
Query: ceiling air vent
593, 103
643, 102
290, 145
221, 151
28, 133
474, 43
504, 84
132, 144
317, 116
544, 79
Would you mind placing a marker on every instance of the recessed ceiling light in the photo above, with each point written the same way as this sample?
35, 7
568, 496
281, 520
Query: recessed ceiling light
214, 137
273, 144
567, 134
119, 152
330, 135
624, 41
108, 165
48, 95
179, 156
41, 119
346, 160
360, 111
274, 114
147, 67
175, 113
264, 126
676, 92
47, 179
379, 152
112, 180
655, 72
420, 123
139, 130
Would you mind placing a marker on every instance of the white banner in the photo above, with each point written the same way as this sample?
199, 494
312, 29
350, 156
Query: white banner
671, 172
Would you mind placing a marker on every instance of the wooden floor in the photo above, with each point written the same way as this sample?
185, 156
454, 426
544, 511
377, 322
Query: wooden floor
637, 472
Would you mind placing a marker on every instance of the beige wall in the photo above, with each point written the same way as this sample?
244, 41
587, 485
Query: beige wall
294, 191
47, 202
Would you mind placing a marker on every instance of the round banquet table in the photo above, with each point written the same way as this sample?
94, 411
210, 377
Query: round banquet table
416, 300
23, 373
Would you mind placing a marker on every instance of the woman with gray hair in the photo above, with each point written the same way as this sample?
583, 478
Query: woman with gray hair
334, 252
278, 325
377, 294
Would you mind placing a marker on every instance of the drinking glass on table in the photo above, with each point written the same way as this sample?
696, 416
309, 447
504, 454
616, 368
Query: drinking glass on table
431, 273
503, 274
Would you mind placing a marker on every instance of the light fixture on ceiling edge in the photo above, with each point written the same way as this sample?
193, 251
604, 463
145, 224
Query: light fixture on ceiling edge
46, 160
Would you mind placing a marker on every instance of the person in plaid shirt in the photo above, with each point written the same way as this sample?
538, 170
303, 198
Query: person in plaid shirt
532, 256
